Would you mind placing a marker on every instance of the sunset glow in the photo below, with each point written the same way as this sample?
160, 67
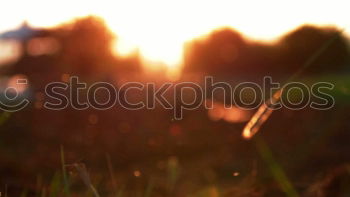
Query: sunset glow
158, 29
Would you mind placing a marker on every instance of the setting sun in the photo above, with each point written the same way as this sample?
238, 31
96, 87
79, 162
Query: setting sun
158, 29
173, 98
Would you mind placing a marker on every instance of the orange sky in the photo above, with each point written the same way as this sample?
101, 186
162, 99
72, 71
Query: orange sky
159, 28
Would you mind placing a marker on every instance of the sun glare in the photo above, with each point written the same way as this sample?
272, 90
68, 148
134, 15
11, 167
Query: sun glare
158, 29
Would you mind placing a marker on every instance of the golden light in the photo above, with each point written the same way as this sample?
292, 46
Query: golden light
158, 29
18, 83
10, 51
231, 114
260, 116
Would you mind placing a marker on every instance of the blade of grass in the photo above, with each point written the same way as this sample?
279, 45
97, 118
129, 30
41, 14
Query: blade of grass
65, 177
260, 116
275, 169
55, 185
173, 173
111, 171
118, 190
264, 112
86, 178
4, 117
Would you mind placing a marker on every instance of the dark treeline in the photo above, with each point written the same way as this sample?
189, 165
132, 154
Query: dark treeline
30, 139
227, 52
84, 49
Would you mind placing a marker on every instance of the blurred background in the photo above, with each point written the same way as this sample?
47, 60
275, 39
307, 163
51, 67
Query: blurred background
119, 152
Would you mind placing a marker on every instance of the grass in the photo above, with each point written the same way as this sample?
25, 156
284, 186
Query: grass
276, 170
264, 112
250, 185
64, 172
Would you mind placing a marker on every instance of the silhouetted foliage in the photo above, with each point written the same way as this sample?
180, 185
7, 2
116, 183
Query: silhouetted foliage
221, 52
300, 44
225, 52
209, 151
